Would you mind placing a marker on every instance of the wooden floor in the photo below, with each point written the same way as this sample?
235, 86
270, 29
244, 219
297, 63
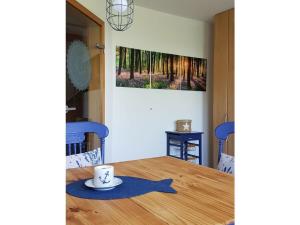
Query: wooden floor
205, 196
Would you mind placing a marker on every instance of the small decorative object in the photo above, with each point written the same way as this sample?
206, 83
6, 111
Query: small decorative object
104, 179
78, 65
119, 14
103, 176
184, 125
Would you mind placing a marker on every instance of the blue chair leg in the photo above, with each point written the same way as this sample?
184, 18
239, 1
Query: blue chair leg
221, 144
102, 146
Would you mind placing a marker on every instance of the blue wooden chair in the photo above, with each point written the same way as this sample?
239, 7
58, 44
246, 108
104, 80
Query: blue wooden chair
222, 132
75, 137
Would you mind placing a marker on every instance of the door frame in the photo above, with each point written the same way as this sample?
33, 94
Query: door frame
101, 25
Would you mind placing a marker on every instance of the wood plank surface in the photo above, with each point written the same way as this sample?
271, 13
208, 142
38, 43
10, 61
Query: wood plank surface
204, 196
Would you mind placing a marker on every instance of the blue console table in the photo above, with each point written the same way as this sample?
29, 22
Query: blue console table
182, 139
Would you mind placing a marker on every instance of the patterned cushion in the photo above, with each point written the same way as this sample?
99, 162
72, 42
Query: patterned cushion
90, 158
226, 163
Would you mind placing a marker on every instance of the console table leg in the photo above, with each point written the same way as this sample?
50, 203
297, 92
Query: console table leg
168, 146
181, 149
200, 150
185, 150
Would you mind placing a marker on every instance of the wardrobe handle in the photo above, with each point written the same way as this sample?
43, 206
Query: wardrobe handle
226, 117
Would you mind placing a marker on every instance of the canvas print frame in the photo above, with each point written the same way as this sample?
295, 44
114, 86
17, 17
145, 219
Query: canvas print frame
136, 68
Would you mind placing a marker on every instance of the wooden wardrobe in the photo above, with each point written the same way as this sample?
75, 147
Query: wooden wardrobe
223, 77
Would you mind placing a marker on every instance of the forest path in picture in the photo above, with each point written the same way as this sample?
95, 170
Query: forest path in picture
134, 68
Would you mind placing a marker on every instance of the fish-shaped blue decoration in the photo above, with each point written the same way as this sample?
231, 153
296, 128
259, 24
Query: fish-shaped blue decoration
131, 187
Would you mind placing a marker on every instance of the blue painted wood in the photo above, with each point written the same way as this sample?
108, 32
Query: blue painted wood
102, 145
80, 147
200, 146
168, 145
69, 150
183, 139
75, 134
75, 148
222, 132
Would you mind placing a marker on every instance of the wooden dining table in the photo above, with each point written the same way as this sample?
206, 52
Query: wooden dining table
204, 196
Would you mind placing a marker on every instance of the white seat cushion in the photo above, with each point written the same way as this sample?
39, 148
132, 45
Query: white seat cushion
226, 163
90, 158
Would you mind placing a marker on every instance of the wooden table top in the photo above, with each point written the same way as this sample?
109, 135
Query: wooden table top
204, 196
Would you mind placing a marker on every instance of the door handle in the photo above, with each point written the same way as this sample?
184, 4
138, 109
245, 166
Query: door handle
70, 109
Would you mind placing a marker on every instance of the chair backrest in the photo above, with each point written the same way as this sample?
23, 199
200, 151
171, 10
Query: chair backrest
222, 132
75, 135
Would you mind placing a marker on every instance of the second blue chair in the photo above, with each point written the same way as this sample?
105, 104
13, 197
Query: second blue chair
222, 132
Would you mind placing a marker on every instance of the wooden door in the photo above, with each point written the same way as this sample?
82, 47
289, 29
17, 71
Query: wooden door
87, 104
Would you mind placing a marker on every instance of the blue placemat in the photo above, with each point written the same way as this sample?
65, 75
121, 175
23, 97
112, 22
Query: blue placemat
131, 186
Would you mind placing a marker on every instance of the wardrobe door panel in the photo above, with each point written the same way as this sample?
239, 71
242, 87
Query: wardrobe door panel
220, 71
230, 80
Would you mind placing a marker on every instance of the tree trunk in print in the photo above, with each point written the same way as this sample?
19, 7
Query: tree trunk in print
204, 67
189, 73
198, 64
140, 61
131, 64
172, 69
136, 60
177, 66
167, 59
120, 60
183, 64
163, 63
148, 62
192, 73
158, 63
201, 68
125, 56
181, 67
153, 61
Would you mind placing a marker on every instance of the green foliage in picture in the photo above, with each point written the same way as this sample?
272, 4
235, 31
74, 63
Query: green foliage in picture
159, 85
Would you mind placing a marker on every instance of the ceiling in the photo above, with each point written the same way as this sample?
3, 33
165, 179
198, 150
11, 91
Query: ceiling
195, 9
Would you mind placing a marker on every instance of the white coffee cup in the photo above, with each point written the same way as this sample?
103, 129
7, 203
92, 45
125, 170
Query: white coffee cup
103, 176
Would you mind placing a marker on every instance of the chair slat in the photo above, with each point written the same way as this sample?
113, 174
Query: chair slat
69, 149
80, 147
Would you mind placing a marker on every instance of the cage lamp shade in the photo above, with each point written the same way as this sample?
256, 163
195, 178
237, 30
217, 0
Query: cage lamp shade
119, 14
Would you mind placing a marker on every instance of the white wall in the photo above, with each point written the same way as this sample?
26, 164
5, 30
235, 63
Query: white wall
138, 118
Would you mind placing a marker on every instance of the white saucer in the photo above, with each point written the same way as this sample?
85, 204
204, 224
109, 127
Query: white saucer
90, 183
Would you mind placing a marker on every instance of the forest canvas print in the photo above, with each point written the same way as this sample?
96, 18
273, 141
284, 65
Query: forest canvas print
147, 69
